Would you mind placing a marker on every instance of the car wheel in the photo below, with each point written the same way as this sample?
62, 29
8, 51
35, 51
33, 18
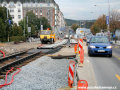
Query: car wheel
89, 54
41, 42
110, 55
51, 41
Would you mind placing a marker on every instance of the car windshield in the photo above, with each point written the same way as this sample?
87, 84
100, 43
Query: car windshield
45, 32
99, 40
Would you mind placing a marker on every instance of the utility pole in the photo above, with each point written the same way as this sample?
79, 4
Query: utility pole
27, 22
7, 21
24, 24
40, 24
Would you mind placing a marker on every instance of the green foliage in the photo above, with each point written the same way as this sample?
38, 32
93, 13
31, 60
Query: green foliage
4, 25
45, 23
75, 26
16, 30
95, 29
34, 22
3, 13
17, 38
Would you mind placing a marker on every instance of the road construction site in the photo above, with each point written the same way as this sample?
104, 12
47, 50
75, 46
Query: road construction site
47, 68
58, 66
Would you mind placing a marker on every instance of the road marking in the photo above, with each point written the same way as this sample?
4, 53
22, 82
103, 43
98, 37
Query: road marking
117, 57
118, 77
116, 47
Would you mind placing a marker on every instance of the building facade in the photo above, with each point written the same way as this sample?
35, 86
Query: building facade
41, 8
15, 10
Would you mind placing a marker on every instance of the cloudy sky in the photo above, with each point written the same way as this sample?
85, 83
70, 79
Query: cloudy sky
86, 9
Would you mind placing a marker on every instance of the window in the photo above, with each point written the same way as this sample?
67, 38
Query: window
36, 10
18, 4
48, 2
11, 9
19, 16
19, 10
41, 11
4, 4
99, 40
48, 13
11, 4
12, 16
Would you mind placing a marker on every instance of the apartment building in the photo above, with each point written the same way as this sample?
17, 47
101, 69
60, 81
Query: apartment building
41, 8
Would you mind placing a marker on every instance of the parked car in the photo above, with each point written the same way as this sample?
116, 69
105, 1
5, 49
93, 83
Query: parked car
99, 45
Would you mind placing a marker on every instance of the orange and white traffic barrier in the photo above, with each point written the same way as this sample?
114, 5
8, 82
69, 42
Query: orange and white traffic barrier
82, 56
75, 48
80, 45
71, 73
81, 52
82, 85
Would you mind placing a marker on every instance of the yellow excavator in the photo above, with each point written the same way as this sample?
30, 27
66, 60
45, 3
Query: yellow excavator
47, 36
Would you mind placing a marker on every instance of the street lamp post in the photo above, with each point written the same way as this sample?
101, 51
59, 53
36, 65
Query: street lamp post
108, 28
108, 25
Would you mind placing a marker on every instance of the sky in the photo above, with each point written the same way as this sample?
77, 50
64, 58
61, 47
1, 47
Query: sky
86, 9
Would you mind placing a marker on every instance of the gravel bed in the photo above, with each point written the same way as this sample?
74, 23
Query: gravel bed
42, 74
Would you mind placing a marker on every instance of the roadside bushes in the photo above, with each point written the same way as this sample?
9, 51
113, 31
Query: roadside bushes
17, 39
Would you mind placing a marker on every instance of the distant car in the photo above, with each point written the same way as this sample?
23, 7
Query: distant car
99, 45
84, 38
100, 34
66, 37
88, 39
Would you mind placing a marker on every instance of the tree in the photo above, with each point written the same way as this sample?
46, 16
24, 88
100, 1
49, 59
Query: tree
2, 31
4, 25
16, 30
99, 25
95, 29
34, 22
75, 26
115, 21
45, 23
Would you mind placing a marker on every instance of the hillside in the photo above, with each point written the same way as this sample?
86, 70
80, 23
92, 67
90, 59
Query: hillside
83, 23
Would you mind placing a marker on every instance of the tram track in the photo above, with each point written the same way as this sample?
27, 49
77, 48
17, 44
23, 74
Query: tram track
22, 58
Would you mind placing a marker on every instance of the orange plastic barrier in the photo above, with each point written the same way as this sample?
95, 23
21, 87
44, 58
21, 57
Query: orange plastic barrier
75, 48
80, 44
82, 85
71, 73
81, 50
82, 56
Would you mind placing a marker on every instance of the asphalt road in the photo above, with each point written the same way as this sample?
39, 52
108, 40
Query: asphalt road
107, 70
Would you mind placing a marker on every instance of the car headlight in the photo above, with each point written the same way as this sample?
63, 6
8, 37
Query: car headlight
109, 46
92, 46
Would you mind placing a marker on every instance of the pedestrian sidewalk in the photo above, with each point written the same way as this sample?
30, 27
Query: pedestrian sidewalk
86, 72
117, 43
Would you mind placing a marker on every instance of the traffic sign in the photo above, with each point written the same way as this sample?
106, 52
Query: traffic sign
107, 20
29, 29
9, 21
113, 35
